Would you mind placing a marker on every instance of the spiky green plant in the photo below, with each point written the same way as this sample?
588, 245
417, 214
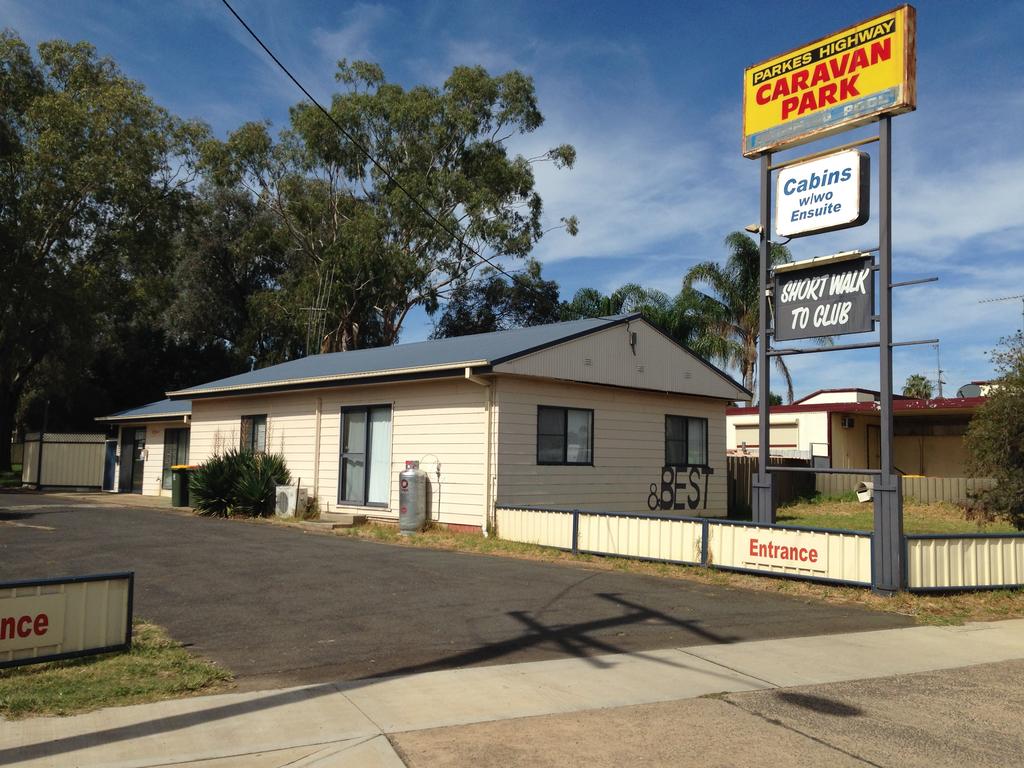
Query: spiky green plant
256, 484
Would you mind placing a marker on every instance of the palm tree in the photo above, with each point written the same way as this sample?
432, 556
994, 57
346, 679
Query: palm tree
728, 309
917, 386
678, 316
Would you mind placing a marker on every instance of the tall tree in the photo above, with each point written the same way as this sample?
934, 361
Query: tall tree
995, 437
229, 259
496, 303
730, 306
86, 159
359, 248
917, 386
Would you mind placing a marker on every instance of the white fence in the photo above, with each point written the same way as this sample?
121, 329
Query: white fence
944, 562
933, 562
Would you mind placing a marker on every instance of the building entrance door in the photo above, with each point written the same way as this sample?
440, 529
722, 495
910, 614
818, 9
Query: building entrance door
133, 458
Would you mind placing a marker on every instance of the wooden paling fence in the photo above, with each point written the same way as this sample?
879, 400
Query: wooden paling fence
786, 486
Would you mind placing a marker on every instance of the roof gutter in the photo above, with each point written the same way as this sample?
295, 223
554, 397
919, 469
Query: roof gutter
322, 381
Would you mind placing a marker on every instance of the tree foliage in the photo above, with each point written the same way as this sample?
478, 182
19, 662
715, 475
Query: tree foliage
357, 245
917, 385
90, 173
995, 437
495, 303
729, 309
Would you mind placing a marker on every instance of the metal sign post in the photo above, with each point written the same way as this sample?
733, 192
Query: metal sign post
858, 75
887, 544
762, 502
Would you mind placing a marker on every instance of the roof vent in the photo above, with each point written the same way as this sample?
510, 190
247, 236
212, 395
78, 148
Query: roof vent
639, 369
587, 362
687, 375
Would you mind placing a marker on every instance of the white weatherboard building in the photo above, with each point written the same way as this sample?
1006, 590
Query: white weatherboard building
601, 414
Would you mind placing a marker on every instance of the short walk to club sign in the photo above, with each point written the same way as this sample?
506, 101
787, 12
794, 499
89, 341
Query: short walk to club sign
50, 619
827, 296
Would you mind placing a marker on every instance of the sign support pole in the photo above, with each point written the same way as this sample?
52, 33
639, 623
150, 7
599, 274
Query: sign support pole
887, 543
763, 506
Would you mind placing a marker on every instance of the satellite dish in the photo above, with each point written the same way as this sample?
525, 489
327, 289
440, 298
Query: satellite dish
969, 390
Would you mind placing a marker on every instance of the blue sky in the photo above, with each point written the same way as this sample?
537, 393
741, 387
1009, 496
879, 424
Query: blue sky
650, 95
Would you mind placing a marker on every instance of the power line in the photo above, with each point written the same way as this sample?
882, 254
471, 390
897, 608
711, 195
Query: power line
369, 156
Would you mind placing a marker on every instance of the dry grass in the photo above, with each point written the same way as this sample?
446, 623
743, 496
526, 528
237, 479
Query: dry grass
937, 517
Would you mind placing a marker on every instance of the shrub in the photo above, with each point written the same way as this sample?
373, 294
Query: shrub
211, 486
256, 484
237, 482
995, 437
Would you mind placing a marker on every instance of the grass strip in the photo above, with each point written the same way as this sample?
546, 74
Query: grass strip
156, 668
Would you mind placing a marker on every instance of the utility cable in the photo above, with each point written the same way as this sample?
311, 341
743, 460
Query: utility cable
369, 156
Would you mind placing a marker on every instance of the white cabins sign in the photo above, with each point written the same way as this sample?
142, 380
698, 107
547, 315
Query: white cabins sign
823, 195
828, 296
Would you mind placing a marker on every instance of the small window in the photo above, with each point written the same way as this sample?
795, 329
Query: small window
254, 433
565, 435
686, 441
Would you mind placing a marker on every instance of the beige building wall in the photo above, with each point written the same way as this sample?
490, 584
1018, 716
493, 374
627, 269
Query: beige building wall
931, 455
798, 430
850, 444
608, 357
441, 424
629, 447
152, 468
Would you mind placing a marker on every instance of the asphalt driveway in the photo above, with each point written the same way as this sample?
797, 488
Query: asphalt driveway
280, 606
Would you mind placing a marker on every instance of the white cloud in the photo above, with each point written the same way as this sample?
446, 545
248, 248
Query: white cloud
353, 39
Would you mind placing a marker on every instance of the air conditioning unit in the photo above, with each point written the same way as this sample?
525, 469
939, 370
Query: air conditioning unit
288, 499
846, 422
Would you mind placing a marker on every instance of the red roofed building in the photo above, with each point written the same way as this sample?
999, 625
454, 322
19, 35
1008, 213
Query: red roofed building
840, 428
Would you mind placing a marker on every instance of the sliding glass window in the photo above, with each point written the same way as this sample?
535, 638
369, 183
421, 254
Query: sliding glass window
365, 456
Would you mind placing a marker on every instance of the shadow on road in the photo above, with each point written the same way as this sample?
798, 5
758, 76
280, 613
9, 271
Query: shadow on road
573, 639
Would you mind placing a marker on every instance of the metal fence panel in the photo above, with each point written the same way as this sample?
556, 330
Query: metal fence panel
833, 555
533, 526
63, 618
965, 562
923, 489
68, 459
30, 465
648, 538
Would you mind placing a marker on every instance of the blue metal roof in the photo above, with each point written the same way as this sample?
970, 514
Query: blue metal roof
480, 349
170, 408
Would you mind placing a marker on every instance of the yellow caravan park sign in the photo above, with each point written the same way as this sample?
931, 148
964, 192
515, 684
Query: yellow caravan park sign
842, 80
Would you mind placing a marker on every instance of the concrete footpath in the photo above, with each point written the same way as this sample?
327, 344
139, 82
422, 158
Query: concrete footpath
920, 700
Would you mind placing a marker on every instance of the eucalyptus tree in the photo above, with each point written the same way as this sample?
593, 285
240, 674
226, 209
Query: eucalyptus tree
729, 306
390, 204
88, 166
494, 302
